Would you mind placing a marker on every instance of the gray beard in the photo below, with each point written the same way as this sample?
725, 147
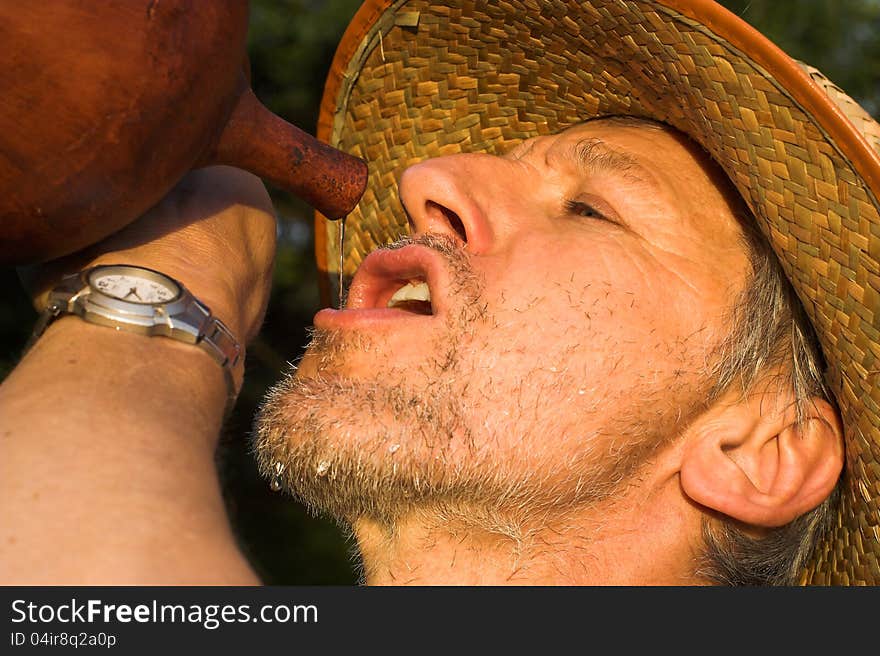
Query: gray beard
379, 448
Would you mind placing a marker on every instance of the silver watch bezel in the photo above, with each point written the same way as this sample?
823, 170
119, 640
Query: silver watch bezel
183, 318
137, 271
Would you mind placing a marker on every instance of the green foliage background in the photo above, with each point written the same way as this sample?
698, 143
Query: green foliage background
290, 45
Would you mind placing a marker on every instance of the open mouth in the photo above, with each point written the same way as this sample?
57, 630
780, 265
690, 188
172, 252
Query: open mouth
392, 284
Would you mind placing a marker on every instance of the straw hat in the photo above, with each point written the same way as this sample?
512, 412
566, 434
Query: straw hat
412, 79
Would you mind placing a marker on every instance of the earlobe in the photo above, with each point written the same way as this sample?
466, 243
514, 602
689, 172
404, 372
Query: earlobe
754, 463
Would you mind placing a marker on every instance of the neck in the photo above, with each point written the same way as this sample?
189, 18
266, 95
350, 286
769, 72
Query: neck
638, 542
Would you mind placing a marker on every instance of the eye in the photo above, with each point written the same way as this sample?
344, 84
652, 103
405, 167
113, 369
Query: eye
580, 208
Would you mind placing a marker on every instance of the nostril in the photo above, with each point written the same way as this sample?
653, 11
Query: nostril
451, 218
410, 221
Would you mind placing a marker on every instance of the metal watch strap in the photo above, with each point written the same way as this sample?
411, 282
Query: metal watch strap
59, 303
217, 341
214, 337
220, 344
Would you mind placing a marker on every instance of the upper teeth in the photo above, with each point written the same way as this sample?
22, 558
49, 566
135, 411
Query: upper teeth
411, 291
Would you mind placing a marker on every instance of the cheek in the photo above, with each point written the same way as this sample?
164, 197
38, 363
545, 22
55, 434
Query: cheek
601, 312
601, 282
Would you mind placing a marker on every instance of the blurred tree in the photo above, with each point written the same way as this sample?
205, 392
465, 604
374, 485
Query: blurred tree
839, 37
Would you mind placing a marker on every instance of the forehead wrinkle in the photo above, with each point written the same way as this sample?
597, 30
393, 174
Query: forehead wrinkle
521, 149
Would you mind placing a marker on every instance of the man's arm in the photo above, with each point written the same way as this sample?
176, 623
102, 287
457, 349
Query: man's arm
107, 438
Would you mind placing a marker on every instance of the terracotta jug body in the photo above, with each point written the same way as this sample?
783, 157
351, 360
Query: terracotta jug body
106, 104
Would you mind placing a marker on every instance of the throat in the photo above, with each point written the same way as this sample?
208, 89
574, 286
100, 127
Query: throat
435, 549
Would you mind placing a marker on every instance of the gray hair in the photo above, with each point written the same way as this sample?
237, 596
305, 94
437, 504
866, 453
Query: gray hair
770, 332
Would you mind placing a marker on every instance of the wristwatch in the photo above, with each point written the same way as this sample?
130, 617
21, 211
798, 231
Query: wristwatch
141, 300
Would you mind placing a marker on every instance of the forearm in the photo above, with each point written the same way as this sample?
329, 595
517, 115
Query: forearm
107, 468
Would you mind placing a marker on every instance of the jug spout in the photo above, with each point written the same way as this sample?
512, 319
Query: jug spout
259, 141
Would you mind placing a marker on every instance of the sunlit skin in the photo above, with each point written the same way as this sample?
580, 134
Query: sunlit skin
606, 260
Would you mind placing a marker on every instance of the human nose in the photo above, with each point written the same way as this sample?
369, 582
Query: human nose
447, 195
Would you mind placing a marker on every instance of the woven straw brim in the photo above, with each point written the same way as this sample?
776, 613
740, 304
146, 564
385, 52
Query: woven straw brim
415, 80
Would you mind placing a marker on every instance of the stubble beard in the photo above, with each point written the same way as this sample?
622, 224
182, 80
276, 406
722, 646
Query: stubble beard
425, 441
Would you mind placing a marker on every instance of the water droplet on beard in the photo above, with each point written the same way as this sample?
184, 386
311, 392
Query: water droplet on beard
322, 468
275, 483
393, 448
582, 392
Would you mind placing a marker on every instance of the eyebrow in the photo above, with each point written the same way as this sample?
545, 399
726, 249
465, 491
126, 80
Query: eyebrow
595, 156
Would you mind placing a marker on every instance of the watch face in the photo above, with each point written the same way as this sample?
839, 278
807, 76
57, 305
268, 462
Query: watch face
134, 284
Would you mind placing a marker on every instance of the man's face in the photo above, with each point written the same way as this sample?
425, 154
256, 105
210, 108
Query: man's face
579, 287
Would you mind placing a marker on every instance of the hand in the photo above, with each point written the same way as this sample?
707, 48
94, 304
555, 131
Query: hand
214, 232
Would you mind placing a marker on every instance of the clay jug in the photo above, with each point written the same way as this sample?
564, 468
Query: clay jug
106, 104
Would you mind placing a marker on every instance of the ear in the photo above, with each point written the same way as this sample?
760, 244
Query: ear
751, 461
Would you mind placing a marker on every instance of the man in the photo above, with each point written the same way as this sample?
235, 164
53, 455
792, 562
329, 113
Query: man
558, 379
